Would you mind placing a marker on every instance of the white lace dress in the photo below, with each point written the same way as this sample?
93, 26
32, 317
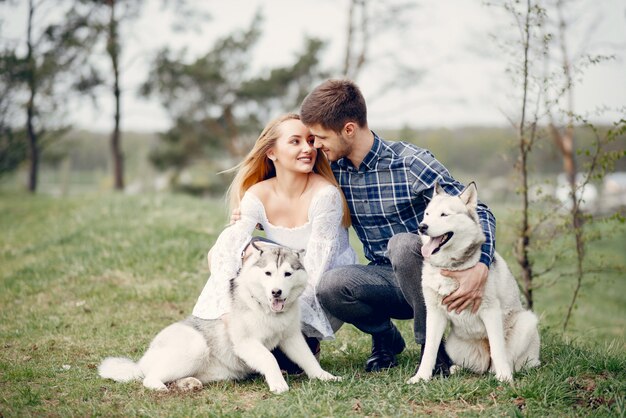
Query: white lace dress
323, 238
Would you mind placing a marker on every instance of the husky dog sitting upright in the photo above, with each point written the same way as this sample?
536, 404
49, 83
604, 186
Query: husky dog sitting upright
502, 336
264, 315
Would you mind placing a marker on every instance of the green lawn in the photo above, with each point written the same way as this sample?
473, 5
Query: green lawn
86, 277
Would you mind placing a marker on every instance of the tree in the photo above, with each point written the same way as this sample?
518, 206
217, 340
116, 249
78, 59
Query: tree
216, 102
370, 21
560, 101
106, 21
113, 50
13, 150
543, 70
39, 79
523, 52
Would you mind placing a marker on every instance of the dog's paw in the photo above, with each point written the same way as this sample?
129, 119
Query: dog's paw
455, 369
154, 384
189, 384
327, 377
277, 384
505, 377
279, 388
419, 377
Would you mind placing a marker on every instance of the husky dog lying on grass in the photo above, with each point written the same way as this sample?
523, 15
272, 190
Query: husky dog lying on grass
502, 336
264, 315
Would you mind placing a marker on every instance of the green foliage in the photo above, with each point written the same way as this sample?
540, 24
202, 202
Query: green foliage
13, 150
93, 276
490, 152
216, 102
37, 77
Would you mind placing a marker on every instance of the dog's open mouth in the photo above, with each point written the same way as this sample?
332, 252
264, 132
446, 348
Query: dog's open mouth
434, 244
277, 304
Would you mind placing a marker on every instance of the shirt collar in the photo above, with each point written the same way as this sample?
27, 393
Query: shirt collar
370, 159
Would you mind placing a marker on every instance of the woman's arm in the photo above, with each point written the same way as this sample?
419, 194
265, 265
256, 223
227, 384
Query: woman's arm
225, 258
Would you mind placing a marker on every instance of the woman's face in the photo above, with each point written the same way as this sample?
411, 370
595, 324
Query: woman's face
294, 150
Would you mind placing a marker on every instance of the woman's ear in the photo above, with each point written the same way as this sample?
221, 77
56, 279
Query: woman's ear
270, 155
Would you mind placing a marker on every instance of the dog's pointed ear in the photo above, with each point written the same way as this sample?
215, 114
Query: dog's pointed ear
469, 195
438, 189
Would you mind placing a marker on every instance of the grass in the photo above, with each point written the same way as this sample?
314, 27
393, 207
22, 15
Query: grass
86, 277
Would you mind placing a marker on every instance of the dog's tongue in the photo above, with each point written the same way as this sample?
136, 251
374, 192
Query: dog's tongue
278, 305
431, 245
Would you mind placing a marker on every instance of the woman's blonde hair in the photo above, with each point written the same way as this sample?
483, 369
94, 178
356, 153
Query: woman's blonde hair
256, 166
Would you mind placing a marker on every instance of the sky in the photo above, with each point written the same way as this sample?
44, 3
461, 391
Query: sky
451, 42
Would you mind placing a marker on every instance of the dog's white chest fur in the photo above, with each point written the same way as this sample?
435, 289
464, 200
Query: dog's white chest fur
466, 324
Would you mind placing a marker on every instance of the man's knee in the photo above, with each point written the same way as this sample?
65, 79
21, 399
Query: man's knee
331, 286
403, 245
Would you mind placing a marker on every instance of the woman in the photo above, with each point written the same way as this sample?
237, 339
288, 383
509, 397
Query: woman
285, 185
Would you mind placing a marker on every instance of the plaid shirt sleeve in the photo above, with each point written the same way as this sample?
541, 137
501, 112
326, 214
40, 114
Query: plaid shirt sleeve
427, 170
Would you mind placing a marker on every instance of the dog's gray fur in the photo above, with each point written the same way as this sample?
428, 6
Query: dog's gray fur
264, 315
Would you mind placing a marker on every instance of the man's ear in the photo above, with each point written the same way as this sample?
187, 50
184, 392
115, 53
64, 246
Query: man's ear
349, 129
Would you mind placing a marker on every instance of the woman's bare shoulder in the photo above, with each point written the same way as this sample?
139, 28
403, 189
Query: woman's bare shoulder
319, 182
261, 189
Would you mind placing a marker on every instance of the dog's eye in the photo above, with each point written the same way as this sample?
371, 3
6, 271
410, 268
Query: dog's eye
268, 273
444, 214
287, 274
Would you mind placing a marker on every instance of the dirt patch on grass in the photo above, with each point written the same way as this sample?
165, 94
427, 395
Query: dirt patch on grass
586, 394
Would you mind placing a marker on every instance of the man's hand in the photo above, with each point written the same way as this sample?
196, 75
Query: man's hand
208, 257
471, 287
236, 215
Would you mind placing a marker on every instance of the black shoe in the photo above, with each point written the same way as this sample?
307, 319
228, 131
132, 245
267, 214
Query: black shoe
443, 362
314, 346
285, 363
288, 366
385, 346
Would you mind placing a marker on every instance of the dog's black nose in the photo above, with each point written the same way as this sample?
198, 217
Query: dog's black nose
423, 228
276, 292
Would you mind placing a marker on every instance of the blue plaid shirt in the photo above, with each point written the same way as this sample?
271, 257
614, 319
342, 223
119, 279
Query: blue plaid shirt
388, 193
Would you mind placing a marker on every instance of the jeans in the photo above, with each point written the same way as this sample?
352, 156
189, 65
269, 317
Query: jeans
368, 296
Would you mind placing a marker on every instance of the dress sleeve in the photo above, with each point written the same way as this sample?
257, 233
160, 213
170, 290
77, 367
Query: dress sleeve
325, 213
214, 301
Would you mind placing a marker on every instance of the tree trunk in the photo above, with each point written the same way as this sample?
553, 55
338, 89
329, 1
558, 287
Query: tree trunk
356, 33
33, 147
116, 137
235, 148
565, 144
523, 242
349, 40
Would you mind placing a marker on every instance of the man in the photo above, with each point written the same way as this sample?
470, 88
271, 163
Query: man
387, 186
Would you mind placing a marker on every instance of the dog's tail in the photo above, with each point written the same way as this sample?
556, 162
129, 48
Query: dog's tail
119, 369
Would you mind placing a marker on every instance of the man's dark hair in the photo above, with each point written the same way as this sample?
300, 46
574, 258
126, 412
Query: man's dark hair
334, 103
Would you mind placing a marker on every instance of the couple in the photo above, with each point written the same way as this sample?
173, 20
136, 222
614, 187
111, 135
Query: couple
288, 186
